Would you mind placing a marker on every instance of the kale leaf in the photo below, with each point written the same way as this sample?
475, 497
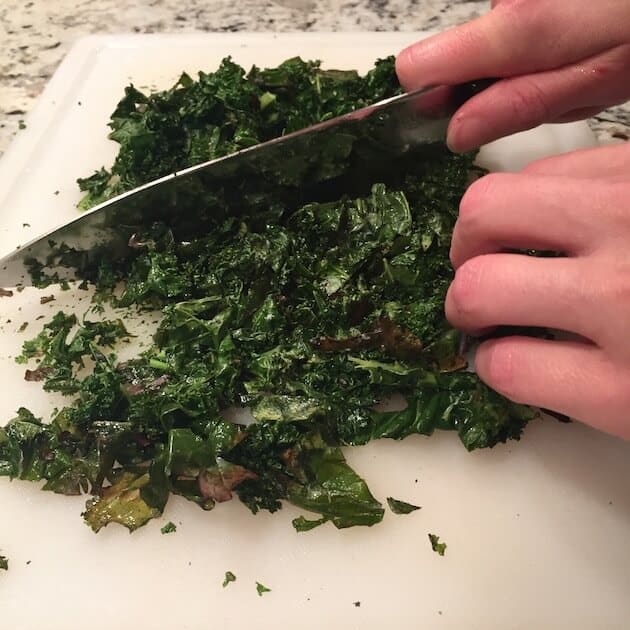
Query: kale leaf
401, 507
436, 545
169, 528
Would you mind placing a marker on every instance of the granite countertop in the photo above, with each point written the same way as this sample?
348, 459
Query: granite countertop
37, 34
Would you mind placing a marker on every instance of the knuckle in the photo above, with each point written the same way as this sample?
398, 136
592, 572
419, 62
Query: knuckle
523, 12
617, 287
613, 203
529, 102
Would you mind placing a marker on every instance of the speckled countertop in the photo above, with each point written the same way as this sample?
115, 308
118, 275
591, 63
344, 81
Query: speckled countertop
35, 35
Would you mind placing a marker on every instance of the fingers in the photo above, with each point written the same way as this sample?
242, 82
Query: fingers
524, 102
516, 37
518, 290
567, 377
515, 211
601, 162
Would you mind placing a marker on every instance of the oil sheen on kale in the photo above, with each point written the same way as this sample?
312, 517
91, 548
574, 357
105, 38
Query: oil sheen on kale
308, 310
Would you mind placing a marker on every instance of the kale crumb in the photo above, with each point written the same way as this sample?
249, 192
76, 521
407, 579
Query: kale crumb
436, 545
28, 562
4, 563
25, 225
21, 124
56, 192
46, 299
169, 528
6, 293
302, 524
401, 507
357, 604
261, 588
229, 577
23, 327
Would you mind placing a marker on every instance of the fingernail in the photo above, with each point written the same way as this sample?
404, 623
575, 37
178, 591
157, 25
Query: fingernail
464, 134
405, 67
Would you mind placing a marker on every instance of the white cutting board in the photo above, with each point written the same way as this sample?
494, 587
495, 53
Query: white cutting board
538, 531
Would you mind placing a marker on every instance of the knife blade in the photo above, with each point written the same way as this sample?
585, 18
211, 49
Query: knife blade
384, 131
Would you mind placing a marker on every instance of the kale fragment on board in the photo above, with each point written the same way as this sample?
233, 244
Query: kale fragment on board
436, 545
401, 507
169, 528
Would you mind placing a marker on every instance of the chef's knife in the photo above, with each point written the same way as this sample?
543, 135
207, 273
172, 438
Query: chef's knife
391, 127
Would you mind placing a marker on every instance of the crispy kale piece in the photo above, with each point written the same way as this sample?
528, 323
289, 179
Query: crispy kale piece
169, 528
401, 507
308, 308
302, 524
229, 577
436, 545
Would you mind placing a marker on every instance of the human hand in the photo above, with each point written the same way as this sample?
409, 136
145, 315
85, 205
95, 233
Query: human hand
558, 61
578, 204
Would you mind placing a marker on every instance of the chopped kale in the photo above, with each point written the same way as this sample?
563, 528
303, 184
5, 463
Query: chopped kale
401, 507
261, 588
303, 524
4, 563
308, 294
169, 528
229, 577
436, 545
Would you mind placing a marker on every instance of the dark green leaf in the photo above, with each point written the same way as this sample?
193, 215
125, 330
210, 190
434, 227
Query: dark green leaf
169, 528
436, 545
303, 524
401, 507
